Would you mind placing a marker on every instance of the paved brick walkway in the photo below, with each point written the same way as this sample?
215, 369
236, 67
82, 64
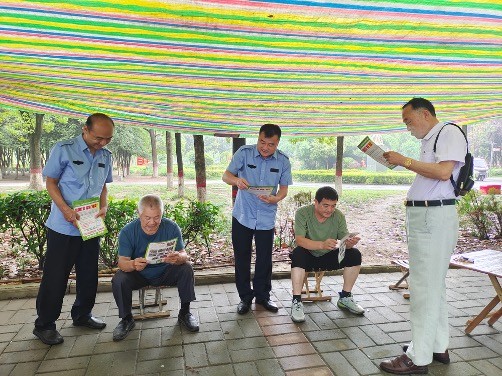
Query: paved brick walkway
330, 342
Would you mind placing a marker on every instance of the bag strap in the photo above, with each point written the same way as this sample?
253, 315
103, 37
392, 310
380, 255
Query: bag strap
436, 141
434, 149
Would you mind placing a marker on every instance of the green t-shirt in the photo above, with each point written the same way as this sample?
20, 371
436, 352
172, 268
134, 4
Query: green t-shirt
308, 226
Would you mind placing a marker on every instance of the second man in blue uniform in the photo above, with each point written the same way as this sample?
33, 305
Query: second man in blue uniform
257, 166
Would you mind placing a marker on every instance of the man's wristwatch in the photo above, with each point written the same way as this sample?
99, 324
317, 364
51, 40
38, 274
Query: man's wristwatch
407, 162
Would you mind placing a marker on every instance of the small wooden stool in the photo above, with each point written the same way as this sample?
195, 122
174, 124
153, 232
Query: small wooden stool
158, 301
404, 265
317, 290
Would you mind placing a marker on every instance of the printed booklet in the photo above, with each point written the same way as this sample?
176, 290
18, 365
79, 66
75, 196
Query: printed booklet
156, 252
341, 247
260, 191
89, 226
374, 151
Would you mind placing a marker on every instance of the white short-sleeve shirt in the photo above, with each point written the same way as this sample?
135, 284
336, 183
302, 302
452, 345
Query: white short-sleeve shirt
451, 146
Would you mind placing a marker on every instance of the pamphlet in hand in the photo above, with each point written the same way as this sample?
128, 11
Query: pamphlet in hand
341, 247
260, 191
156, 252
374, 151
89, 226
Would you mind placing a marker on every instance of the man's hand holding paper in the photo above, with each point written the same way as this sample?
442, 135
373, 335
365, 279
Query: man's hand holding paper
176, 258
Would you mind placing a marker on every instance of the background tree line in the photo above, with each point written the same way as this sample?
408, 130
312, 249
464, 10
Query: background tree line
17, 129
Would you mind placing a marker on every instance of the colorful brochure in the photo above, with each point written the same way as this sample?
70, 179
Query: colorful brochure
156, 252
374, 151
89, 226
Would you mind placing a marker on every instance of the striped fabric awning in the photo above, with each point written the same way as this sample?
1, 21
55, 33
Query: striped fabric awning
228, 66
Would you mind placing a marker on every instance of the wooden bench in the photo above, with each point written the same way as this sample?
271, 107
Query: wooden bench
318, 275
157, 301
405, 269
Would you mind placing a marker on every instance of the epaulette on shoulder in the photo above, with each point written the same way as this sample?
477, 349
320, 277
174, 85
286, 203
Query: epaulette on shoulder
106, 150
66, 142
282, 153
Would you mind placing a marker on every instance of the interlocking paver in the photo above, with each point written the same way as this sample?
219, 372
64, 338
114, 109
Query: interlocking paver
330, 342
334, 345
239, 356
303, 348
301, 362
53, 365
361, 363
454, 369
487, 368
318, 371
248, 369
475, 353
339, 365
154, 366
195, 355
218, 353
288, 338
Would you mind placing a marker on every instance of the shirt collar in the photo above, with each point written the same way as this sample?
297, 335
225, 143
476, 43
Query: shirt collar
257, 153
435, 129
81, 143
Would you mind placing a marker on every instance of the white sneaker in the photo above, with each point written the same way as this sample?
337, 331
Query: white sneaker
297, 314
349, 304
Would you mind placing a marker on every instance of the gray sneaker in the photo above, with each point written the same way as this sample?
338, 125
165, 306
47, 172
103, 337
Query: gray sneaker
297, 314
350, 305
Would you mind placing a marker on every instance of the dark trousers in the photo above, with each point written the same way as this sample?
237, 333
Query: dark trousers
242, 239
124, 283
302, 258
63, 252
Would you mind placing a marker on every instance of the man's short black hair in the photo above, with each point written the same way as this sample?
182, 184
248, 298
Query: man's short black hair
271, 130
326, 192
90, 120
417, 103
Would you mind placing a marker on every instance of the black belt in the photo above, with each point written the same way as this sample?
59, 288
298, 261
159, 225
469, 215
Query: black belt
451, 201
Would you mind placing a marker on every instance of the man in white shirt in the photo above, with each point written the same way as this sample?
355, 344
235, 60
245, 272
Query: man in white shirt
432, 232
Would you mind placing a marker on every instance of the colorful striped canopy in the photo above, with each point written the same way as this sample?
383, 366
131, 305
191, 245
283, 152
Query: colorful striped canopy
314, 67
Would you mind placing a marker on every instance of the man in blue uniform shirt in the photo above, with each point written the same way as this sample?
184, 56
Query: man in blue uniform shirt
135, 272
260, 165
76, 169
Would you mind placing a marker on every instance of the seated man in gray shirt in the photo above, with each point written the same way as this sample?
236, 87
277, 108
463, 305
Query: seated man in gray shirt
136, 273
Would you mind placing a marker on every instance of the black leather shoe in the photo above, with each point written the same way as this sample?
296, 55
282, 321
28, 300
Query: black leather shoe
439, 357
189, 321
90, 322
268, 305
123, 329
48, 336
243, 307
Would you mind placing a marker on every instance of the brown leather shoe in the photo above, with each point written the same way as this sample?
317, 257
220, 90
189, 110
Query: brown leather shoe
439, 357
402, 365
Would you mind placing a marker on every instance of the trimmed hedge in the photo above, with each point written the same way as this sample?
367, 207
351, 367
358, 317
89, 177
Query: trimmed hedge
352, 176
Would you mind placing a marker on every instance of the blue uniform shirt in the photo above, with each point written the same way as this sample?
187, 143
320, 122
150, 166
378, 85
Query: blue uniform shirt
275, 170
133, 243
81, 175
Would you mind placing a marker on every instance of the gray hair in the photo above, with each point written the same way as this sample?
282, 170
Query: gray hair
151, 201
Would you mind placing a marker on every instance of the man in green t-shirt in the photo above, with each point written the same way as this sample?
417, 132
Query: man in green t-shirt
318, 227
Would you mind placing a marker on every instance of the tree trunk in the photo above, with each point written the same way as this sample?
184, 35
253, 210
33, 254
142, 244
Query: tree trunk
179, 160
169, 159
339, 165
155, 158
36, 181
200, 167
